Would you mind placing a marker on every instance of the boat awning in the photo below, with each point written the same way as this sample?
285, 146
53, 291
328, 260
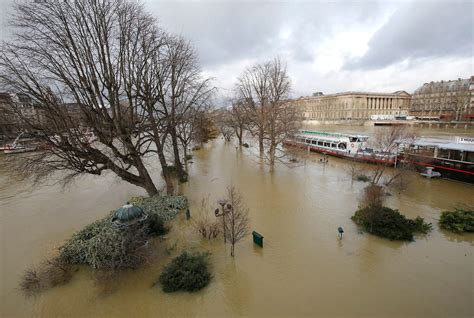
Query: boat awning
443, 144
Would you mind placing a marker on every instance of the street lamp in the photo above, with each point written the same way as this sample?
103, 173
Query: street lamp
340, 230
225, 208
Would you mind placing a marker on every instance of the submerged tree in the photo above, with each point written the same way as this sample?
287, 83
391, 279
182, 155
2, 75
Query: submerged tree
386, 143
262, 91
236, 221
238, 120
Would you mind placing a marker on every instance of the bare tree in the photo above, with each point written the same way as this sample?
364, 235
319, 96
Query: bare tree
204, 127
252, 89
263, 91
283, 118
386, 143
183, 91
461, 100
174, 94
81, 52
236, 218
223, 122
238, 120
132, 84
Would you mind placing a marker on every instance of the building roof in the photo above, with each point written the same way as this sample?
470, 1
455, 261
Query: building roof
444, 144
128, 213
443, 86
375, 94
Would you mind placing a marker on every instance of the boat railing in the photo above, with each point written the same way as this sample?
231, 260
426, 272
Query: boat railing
328, 134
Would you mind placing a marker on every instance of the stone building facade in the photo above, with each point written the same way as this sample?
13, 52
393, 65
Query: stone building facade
445, 100
353, 105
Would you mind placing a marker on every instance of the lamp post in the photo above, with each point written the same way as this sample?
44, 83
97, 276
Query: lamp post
225, 208
340, 230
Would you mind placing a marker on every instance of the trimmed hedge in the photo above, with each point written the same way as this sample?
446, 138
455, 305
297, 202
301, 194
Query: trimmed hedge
102, 245
458, 221
386, 222
166, 207
188, 272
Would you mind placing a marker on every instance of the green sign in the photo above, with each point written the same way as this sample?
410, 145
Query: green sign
257, 238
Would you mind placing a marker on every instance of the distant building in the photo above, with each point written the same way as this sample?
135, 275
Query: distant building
445, 100
7, 117
15, 109
353, 105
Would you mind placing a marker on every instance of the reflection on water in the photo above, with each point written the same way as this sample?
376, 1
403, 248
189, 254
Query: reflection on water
303, 269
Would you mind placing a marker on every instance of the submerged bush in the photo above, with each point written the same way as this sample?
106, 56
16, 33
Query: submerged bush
389, 223
49, 274
30, 282
362, 177
458, 221
156, 225
208, 226
188, 272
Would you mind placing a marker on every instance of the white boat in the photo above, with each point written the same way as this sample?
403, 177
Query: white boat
19, 149
16, 147
341, 145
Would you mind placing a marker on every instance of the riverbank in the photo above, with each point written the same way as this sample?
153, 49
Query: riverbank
303, 269
458, 126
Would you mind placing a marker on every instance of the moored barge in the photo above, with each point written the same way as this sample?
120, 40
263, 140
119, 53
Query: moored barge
453, 159
348, 146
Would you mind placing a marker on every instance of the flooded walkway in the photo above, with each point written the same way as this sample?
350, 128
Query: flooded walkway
303, 269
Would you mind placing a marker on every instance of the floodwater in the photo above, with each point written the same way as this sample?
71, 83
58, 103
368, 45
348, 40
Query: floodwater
302, 270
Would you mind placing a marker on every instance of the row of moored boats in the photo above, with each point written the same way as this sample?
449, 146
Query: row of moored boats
434, 157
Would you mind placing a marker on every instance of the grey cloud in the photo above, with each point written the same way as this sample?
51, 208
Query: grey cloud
421, 30
228, 35
227, 31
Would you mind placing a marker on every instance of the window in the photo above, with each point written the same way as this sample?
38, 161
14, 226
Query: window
457, 155
469, 157
443, 153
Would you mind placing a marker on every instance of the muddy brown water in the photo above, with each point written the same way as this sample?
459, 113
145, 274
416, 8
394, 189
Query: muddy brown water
302, 270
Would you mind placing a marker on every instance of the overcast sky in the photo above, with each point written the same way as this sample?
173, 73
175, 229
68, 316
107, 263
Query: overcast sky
329, 46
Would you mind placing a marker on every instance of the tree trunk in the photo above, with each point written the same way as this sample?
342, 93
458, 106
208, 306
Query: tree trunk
260, 144
166, 174
232, 250
271, 153
147, 181
143, 180
151, 188
240, 135
177, 160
